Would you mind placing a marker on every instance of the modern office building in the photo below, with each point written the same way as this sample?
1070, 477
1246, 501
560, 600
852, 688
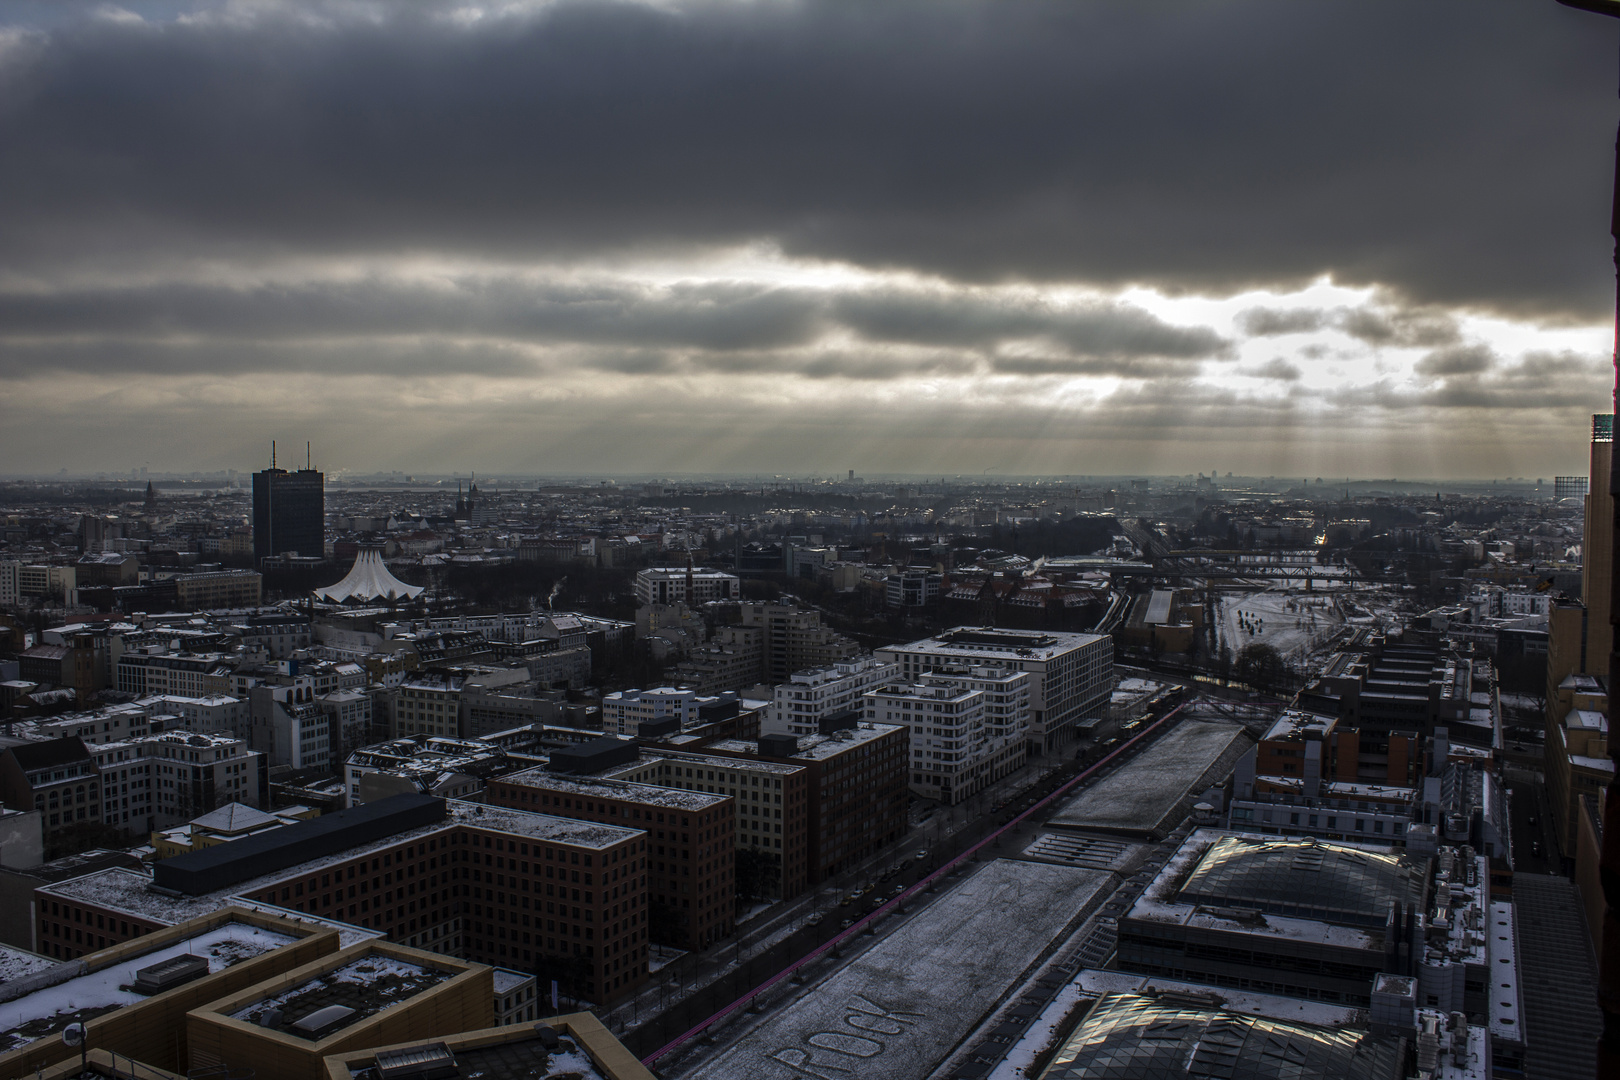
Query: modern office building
968, 727
1597, 548
289, 513
689, 890
1071, 675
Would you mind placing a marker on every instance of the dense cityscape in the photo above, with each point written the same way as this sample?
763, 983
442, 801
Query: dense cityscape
807, 540
912, 777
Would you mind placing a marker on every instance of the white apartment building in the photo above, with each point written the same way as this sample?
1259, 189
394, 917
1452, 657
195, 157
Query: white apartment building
216, 712
1071, 675
151, 674
668, 585
289, 727
809, 697
163, 780
968, 728
624, 711
348, 718
423, 706
58, 582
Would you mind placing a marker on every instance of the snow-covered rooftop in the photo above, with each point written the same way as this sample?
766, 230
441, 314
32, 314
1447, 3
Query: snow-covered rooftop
907, 1001
593, 787
52, 1008
367, 984
1144, 791
18, 963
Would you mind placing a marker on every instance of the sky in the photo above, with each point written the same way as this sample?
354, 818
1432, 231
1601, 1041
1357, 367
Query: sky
1325, 238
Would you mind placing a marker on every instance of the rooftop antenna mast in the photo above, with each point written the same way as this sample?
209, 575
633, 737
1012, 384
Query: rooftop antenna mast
272, 453
306, 457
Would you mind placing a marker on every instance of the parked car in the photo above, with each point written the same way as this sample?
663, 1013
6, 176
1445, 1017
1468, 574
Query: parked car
846, 924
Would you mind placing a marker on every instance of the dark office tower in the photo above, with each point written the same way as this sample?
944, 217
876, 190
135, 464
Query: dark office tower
289, 512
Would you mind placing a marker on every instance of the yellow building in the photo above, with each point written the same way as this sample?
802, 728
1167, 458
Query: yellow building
133, 997
1577, 755
371, 994
572, 1045
230, 822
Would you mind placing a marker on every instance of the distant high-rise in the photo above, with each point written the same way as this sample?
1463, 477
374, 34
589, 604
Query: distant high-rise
1597, 549
289, 512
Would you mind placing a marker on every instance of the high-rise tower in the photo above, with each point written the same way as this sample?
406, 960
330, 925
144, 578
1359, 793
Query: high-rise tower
1597, 549
289, 511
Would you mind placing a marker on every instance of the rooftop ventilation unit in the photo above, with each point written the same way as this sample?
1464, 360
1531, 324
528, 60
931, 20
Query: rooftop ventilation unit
322, 1022
431, 1062
170, 973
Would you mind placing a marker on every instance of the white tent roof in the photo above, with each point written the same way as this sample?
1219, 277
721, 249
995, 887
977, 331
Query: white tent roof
369, 580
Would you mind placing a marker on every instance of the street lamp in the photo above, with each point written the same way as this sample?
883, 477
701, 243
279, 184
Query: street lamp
1609, 866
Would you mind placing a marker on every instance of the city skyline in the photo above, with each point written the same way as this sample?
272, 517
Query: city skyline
1357, 239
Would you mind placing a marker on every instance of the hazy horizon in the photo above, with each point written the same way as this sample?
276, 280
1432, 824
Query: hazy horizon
756, 237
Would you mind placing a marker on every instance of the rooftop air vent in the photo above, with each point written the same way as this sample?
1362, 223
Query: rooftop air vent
170, 973
431, 1062
322, 1022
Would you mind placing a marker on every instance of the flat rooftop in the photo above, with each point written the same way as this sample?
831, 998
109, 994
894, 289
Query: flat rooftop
979, 641
933, 978
816, 747
1140, 797
50, 1009
366, 985
697, 757
18, 963
1296, 724
626, 790
129, 890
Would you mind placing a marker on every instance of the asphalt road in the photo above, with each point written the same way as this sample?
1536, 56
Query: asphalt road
1529, 803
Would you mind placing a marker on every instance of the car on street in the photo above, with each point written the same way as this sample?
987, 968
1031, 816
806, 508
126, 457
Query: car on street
814, 920
846, 924
850, 899
923, 854
897, 890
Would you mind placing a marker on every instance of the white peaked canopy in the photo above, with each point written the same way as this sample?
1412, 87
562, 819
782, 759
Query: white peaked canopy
369, 580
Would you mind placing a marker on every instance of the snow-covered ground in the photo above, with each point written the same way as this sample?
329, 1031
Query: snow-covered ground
898, 1009
1292, 621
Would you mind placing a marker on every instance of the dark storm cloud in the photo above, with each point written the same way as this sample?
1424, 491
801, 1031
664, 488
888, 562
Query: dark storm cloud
1400, 328
1092, 330
1271, 322
1458, 360
1276, 368
1453, 151
612, 326
137, 359
715, 317
1127, 367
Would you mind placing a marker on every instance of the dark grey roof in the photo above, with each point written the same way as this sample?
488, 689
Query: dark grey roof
218, 867
1307, 879
1133, 1037
50, 753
